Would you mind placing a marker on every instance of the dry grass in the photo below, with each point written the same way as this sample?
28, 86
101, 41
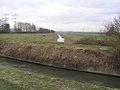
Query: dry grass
64, 57
94, 42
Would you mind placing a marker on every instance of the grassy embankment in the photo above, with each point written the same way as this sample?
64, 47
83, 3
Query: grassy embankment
63, 57
44, 49
15, 79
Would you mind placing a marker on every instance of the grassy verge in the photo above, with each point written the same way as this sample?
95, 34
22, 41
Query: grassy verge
15, 79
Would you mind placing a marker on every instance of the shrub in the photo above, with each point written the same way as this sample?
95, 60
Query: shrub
94, 42
113, 31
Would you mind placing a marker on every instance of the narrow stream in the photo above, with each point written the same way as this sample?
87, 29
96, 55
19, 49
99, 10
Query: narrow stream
103, 80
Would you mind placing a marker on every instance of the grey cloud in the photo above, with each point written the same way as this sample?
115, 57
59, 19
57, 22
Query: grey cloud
77, 11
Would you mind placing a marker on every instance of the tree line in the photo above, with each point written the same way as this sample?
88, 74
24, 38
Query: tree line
23, 27
27, 27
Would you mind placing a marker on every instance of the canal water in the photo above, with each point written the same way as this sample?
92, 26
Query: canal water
103, 80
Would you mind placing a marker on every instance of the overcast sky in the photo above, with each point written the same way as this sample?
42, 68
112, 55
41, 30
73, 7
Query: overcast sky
63, 15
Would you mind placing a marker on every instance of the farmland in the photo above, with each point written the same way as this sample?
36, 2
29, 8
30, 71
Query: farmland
29, 38
75, 36
51, 39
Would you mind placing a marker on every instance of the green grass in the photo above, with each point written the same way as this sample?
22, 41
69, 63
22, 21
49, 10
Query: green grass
71, 38
47, 38
15, 79
30, 38
50, 39
76, 36
7, 85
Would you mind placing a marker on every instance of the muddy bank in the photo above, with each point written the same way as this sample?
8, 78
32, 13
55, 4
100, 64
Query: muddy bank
63, 57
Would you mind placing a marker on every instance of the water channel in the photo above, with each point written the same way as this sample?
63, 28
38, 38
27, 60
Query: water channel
103, 80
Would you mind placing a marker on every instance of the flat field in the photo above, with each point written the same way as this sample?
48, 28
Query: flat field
75, 36
51, 39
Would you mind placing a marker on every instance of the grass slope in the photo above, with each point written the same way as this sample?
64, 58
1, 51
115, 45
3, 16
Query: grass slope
15, 79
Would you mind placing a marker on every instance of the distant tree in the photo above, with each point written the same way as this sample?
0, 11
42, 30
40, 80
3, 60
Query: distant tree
25, 27
33, 28
4, 27
44, 30
113, 32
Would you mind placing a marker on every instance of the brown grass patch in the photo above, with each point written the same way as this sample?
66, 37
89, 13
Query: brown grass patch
64, 57
94, 42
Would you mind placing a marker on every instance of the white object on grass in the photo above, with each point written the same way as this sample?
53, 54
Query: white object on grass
60, 39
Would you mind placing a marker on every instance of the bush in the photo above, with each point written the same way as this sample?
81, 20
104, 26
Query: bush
94, 42
113, 31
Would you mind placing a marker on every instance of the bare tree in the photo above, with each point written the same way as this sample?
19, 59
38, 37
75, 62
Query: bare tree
113, 32
25, 27
4, 27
